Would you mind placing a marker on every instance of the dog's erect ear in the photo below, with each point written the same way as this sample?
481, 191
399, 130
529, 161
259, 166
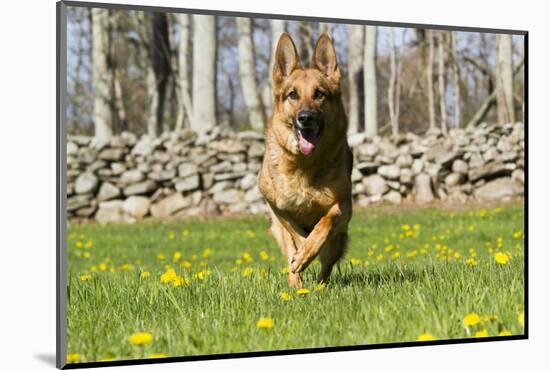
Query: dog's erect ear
286, 58
324, 58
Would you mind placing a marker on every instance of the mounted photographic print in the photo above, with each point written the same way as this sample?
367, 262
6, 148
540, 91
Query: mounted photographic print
235, 184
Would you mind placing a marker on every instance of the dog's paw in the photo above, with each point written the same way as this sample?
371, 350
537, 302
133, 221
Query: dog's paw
298, 263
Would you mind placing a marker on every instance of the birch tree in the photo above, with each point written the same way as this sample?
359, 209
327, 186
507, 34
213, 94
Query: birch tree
456, 80
394, 88
305, 34
325, 28
441, 80
204, 72
102, 76
185, 107
370, 80
247, 71
430, 78
161, 68
505, 80
355, 69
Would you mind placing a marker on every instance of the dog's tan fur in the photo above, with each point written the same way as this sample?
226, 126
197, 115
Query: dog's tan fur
309, 196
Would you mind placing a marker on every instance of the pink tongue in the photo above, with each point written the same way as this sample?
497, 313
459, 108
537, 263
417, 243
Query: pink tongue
307, 139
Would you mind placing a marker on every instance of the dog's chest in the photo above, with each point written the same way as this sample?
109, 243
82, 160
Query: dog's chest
298, 195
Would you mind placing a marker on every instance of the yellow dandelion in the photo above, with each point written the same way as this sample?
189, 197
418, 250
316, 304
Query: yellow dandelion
501, 258
355, 261
201, 274
285, 270
320, 286
412, 253
504, 333
471, 262
247, 256
302, 291
396, 255
86, 254
140, 338
185, 232
233, 269
176, 257
206, 253
126, 267
284, 296
185, 264
89, 244
79, 244
471, 319
161, 256
521, 319
85, 277
248, 271
416, 226
249, 233
171, 235
405, 227
265, 323
264, 256
481, 333
157, 355
144, 274
102, 266
425, 337
179, 281
73, 358
168, 276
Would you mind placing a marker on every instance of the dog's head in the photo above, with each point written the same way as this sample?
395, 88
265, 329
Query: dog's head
307, 102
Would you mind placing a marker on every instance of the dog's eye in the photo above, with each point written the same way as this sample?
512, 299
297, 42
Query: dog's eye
318, 94
293, 95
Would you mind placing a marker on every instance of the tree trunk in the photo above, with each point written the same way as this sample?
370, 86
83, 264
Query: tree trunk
102, 75
355, 76
441, 80
394, 89
247, 71
369, 76
430, 77
306, 47
161, 65
185, 107
456, 78
325, 28
204, 72
505, 80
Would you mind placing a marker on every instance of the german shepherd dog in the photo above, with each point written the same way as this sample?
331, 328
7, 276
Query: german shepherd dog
306, 171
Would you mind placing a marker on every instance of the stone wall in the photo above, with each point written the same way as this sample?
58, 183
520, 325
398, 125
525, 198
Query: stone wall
183, 174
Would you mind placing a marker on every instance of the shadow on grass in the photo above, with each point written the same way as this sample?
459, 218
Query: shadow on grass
381, 277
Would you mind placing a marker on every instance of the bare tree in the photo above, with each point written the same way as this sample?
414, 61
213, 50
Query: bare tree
204, 72
430, 78
161, 67
441, 79
325, 28
185, 106
102, 75
394, 88
247, 70
355, 77
505, 80
305, 32
456, 79
370, 80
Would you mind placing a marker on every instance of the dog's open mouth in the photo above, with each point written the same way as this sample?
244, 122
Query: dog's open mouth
308, 138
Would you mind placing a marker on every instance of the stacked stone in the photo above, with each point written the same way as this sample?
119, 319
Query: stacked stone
185, 174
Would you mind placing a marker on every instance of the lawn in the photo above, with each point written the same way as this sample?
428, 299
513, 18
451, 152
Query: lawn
211, 286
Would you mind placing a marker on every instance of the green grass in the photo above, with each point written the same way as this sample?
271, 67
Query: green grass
382, 291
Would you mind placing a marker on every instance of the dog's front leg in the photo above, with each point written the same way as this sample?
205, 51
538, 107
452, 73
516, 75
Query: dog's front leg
336, 218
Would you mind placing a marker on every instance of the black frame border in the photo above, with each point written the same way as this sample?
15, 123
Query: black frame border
61, 141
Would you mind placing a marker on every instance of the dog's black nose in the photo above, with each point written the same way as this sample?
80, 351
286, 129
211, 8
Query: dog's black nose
306, 118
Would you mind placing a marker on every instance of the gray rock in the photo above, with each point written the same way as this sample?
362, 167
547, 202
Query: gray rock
131, 177
393, 197
187, 169
224, 166
107, 191
86, 155
375, 185
356, 175
502, 188
423, 188
163, 175
406, 176
453, 179
136, 206
404, 160
256, 150
229, 176
110, 212
144, 147
488, 171
227, 146
117, 168
248, 181
170, 205
145, 187
220, 186
253, 195
112, 154
188, 184
356, 139
86, 183
389, 171
518, 175
367, 150
231, 196
249, 135
78, 201
72, 148
459, 166
417, 166
491, 154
